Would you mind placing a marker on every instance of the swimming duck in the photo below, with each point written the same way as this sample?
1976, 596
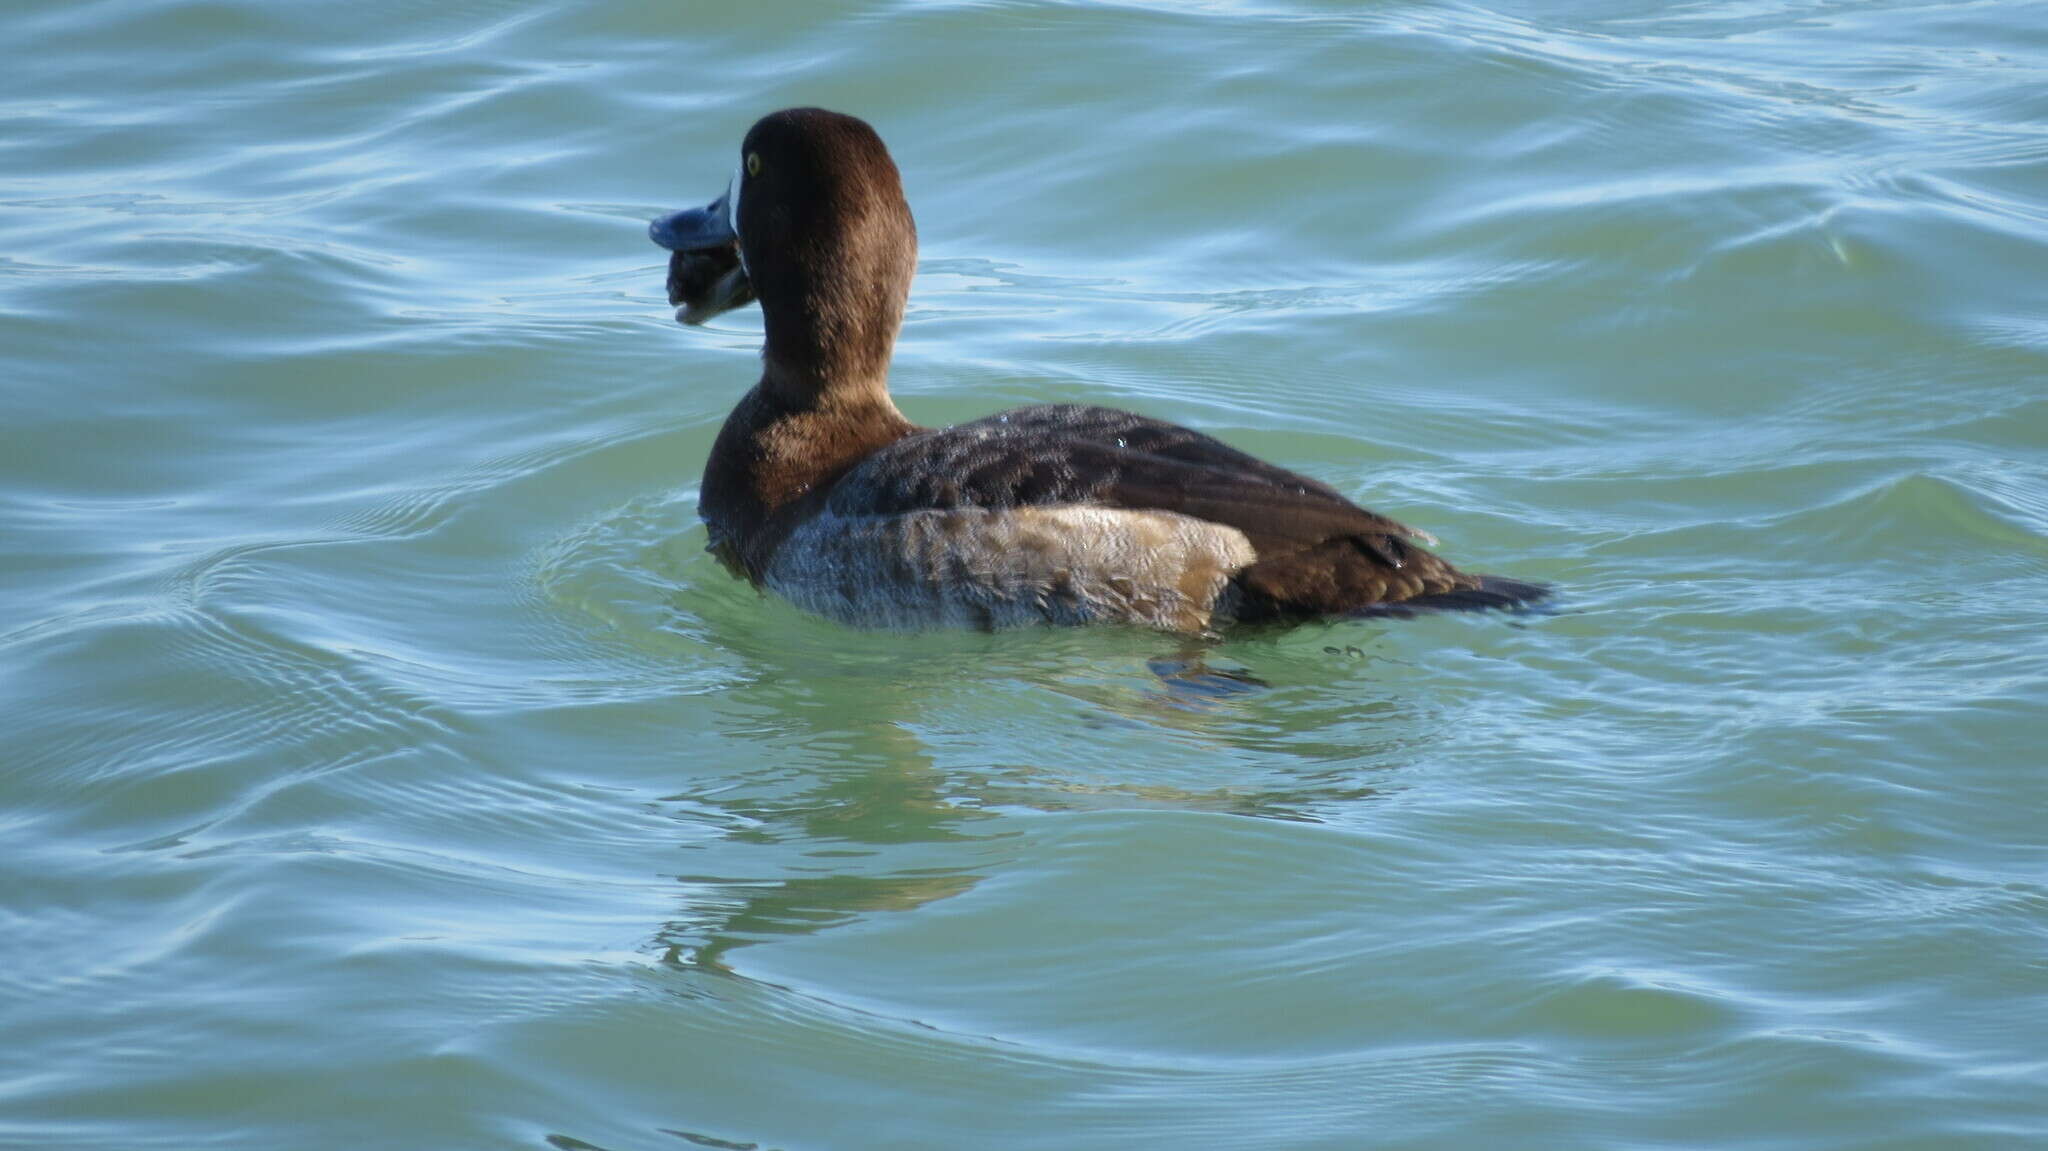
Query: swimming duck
819, 490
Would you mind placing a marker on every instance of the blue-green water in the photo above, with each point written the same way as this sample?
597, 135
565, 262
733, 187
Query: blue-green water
386, 765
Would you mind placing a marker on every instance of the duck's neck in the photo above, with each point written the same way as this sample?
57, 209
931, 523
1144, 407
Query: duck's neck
833, 347
798, 385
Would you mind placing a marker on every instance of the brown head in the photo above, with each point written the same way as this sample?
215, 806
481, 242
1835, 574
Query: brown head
815, 226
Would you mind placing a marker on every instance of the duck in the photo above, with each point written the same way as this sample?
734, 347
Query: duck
819, 490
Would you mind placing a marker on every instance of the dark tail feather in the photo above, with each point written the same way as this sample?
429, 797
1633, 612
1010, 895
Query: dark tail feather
1493, 592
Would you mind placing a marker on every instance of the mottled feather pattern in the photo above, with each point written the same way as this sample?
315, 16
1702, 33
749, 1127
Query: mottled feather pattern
991, 568
1057, 453
1318, 553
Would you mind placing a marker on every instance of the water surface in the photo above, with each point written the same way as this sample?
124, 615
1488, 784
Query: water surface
386, 764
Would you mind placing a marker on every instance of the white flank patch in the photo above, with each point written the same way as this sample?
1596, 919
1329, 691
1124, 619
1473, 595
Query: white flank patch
975, 568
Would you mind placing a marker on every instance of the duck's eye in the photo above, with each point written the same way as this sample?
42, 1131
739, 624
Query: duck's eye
753, 163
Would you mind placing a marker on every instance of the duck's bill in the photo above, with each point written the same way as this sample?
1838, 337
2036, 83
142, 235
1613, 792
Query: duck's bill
706, 274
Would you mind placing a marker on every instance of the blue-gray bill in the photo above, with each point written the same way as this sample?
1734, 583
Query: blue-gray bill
707, 274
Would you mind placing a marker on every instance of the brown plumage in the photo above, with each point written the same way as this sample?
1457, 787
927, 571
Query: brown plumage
908, 525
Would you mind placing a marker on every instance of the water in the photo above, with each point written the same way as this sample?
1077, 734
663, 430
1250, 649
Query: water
387, 765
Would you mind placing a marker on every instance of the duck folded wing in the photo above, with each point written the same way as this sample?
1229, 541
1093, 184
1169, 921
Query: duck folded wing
1317, 552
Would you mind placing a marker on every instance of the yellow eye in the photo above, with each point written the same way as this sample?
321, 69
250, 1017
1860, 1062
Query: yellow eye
753, 163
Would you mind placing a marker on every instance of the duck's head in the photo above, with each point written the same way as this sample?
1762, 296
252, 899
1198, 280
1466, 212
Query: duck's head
815, 226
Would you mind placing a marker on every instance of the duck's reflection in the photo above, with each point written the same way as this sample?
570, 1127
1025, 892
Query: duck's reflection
874, 788
860, 804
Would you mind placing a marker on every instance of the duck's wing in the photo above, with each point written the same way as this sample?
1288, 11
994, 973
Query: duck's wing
1318, 553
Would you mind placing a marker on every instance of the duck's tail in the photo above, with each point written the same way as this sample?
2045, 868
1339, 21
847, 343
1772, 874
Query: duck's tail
1487, 592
